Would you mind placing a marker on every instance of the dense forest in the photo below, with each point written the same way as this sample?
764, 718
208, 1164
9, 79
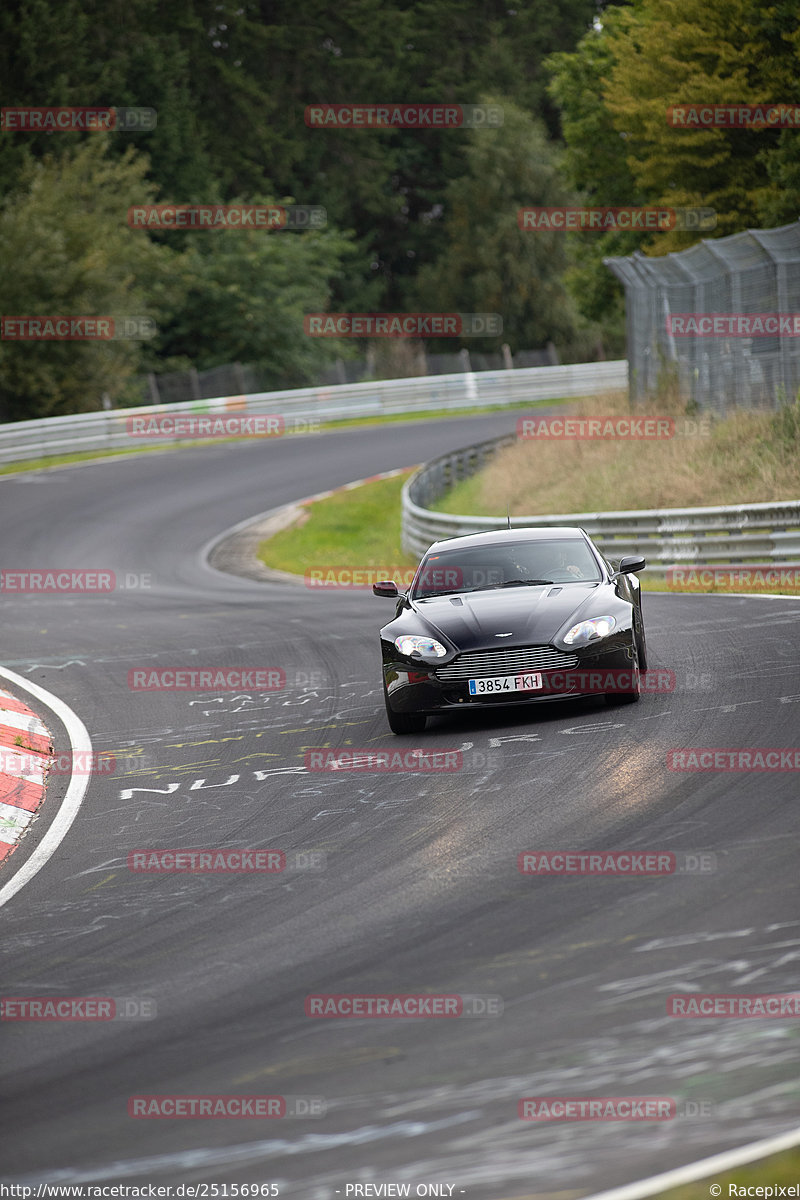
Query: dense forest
417, 219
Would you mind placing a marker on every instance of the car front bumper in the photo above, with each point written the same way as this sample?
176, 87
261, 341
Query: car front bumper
416, 687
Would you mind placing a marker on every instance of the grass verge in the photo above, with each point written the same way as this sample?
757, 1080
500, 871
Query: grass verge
742, 459
360, 528
355, 529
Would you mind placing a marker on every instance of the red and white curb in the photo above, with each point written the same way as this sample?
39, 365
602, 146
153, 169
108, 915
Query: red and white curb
25, 752
25, 789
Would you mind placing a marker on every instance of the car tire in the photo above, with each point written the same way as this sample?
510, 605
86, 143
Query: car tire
641, 644
403, 723
615, 698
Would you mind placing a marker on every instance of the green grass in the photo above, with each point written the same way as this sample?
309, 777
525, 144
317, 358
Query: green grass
463, 497
747, 457
358, 528
361, 528
778, 1169
61, 460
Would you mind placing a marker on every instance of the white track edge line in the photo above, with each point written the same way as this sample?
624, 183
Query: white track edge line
73, 798
701, 1169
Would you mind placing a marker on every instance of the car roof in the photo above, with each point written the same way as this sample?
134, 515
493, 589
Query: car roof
499, 537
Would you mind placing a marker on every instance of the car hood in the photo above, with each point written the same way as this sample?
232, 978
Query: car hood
532, 615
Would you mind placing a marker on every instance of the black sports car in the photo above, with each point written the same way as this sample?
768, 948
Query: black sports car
511, 617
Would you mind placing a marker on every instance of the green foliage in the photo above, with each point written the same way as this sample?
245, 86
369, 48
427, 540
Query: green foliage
63, 236
684, 52
246, 295
614, 91
351, 529
230, 80
785, 429
430, 215
489, 264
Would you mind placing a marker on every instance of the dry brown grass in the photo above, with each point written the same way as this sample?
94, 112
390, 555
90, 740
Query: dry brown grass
742, 459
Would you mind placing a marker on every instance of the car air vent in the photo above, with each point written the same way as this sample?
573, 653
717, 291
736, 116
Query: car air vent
515, 660
457, 601
554, 591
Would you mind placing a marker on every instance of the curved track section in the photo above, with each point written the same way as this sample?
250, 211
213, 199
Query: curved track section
420, 889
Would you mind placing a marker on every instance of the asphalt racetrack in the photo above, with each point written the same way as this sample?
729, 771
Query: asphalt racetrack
419, 889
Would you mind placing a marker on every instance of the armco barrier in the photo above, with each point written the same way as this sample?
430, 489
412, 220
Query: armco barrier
741, 533
20, 440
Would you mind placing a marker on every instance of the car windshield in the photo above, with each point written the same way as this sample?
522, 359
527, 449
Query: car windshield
506, 565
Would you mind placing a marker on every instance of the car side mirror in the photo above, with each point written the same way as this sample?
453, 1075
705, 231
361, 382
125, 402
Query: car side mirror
631, 563
387, 588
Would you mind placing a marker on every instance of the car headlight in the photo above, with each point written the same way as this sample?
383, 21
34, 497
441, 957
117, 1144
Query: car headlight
427, 647
589, 631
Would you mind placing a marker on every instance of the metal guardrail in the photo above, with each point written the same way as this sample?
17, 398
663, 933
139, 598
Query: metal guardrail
740, 533
20, 440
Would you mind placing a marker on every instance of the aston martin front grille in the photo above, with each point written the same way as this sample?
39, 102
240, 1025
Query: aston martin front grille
514, 661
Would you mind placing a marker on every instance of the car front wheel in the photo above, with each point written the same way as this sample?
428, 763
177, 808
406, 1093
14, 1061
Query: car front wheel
614, 698
403, 723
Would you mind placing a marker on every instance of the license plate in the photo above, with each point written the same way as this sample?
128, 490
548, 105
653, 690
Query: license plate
504, 683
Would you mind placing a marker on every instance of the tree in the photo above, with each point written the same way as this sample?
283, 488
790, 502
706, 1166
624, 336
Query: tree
679, 53
246, 295
489, 264
70, 252
614, 92
594, 164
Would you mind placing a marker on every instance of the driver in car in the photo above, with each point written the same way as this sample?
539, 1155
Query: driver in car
571, 567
